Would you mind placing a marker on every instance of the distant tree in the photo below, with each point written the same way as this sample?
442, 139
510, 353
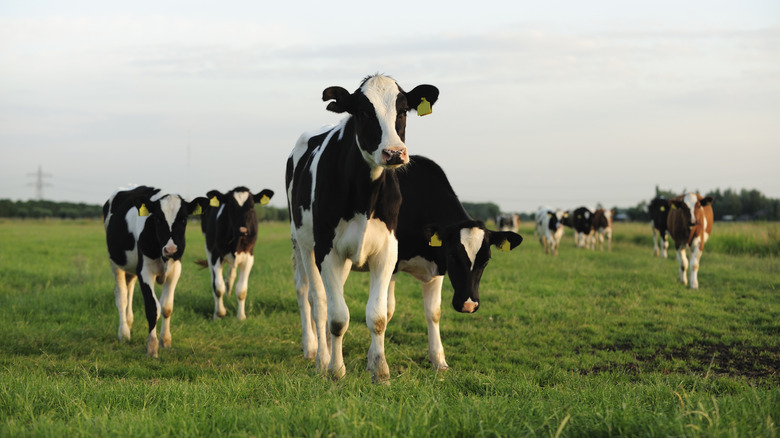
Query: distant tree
482, 210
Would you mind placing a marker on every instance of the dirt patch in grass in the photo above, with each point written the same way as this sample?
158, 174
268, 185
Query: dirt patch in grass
713, 359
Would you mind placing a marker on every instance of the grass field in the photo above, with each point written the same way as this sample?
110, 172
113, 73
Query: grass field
583, 344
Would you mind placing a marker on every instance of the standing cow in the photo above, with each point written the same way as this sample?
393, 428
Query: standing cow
508, 222
549, 229
229, 225
343, 198
581, 222
436, 236
659, 212
145, 238
690, 224
601, 224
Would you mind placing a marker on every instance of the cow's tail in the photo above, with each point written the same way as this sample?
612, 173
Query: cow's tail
202, 263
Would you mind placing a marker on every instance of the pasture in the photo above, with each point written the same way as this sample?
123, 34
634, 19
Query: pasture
582, 344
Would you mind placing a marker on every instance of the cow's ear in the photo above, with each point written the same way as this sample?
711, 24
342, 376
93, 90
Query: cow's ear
706, 201
427, 93
676, 204
433, 236
143, 205
263, 197
215, 198
342, 100
196, 206
505, 240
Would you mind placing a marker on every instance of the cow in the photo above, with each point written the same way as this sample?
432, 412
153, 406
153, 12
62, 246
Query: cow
229, 225
581, 223
549, 229
659, 211
690, 224
145, 236
508, 222
436, 236
601, 224
343, 199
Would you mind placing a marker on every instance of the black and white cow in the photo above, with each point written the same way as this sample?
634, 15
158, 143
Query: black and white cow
659, 212
436, 236
508, 222
145, 237
581, 222
343, 198
229, 225
549, 229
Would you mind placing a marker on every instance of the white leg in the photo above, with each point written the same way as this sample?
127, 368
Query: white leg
166, 300
309, 337
682, 259
381, 265
120, 297
391, 299
333, 275
319, 310
152, 311
432, 303
243, 284
665, 246
695, 258
218, 288
232, 277
130, 289
656, 249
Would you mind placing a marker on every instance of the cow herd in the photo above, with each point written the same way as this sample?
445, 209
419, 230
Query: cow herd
350, 210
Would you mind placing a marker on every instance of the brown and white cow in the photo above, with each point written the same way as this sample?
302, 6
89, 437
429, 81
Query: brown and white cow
601, 224
690, 224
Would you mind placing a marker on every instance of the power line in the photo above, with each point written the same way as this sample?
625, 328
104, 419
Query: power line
39, 183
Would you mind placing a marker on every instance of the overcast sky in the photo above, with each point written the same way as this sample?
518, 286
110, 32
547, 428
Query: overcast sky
558, 103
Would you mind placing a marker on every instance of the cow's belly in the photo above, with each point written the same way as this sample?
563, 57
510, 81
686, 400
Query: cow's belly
419, 268
361, 238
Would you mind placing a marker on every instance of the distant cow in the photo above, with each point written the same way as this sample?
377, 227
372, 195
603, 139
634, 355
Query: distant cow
229, 226
549, 229
343, 198
690, 224
436, 236
145, 232
601, 224
508, 222
581, 219
659, 211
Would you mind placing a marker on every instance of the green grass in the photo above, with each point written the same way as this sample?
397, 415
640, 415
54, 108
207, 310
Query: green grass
583, 344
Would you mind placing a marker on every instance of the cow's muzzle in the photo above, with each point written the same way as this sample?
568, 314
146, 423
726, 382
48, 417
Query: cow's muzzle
169, 250
395, 156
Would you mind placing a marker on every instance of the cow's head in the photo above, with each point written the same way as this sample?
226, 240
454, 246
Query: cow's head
238, 208
379, 110
556, 220
168, 214
467, 249
691, 206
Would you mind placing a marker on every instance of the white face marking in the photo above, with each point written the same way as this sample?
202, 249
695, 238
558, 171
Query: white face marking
690, 201
240, 197
170, 206
382, 92
471, 239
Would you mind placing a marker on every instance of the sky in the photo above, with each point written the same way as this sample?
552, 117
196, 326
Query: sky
555, 103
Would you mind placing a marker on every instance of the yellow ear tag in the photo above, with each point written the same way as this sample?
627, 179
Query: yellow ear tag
424, 108
674, 207
435, 241
198, 210
143, 211
214, 202
663, 208
505, 246
265, 200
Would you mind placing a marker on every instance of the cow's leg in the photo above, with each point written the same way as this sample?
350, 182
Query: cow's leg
665, 245
381, 266
333, 275
391, 298
218, 288
232, 277
172, 274
309, 337
696, 251
152, 311
243, 284
682, 259
656, 247
432, 303
609, 239
120, 297
130, 290
319, 309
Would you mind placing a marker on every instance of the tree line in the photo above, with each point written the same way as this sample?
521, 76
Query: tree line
729, 204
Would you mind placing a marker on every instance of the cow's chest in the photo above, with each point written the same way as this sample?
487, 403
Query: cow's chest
361, 238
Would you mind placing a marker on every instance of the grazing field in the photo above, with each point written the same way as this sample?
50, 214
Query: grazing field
583, 344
